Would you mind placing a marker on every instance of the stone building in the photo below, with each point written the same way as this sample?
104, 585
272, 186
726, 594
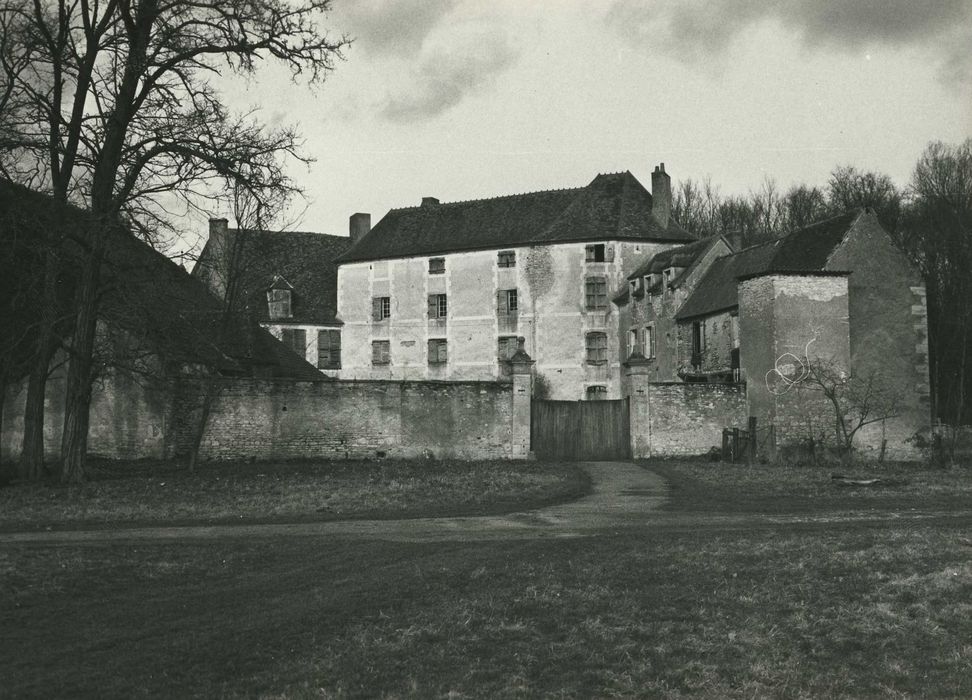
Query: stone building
443, 290
286, 281
835, 298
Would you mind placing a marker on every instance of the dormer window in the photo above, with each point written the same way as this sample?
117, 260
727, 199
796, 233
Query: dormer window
279, 299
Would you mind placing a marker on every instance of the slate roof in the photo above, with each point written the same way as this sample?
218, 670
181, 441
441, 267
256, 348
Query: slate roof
806, 250
304, 260
155, 301
612, 207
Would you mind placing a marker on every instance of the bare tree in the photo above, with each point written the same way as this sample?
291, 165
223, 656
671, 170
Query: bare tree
937, 233
114, 111
850, 188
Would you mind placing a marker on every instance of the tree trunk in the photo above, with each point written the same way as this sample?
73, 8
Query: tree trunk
77, 400
32, 449
210, 390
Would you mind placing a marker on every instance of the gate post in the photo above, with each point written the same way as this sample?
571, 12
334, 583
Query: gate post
522, 365
638, 370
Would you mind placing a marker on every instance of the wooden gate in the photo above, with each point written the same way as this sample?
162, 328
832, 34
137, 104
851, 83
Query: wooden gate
580, 430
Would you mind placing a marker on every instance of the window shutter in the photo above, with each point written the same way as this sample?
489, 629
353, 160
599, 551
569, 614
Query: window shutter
443, 351
287, 336
609, 253
431, 351
300, 342
433, 306
501, 302
376, 308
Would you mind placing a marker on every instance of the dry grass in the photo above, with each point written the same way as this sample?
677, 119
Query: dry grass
717, 486
846, 612
323, 490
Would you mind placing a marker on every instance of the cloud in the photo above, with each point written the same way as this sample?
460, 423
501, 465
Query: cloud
456, 62
700, 30
393, 27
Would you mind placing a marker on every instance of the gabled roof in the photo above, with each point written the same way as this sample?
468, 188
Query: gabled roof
274, 259
155, 301
806, 250
612, 207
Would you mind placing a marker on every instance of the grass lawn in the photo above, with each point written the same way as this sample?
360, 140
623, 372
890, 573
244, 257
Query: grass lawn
697, 485
160, 492
844, 611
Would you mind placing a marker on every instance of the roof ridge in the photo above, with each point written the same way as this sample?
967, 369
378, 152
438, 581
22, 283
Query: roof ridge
288, 233
491, 199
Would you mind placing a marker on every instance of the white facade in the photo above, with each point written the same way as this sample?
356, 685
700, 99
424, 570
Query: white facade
552, 315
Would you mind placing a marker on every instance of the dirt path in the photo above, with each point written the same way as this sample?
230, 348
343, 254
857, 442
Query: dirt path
624, 497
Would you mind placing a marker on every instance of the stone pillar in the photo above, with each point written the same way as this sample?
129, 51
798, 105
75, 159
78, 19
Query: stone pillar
638, 370
522, 365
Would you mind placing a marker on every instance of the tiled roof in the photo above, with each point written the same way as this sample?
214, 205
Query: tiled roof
274, 259
679, 256
806, 250
611, 207
160, 305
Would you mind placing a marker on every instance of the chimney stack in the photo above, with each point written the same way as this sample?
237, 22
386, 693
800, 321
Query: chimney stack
216, 268
661, 195
359, 225
429, 201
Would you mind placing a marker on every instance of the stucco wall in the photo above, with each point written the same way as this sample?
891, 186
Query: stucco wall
552, 316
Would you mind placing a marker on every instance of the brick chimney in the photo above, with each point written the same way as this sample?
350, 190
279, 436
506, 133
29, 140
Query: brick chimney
429, 201
661, 195
359, 224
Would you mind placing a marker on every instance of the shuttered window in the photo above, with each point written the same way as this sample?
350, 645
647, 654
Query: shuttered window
380, 308
436, 266
329, 349
649, 342
506, 347
595, 289
438, 351
597, 392
506, 258
507, 302
380, 352
295, 339
599, 252
438, 307
596, 348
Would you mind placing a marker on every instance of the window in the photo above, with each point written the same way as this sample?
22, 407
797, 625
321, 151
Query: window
296, 340
506, 258
380, 308
436, 266
278, 303
599, 252
329, 349
648, 343
596, 293
506, 347
633, 342
438, 351
507, 302
698, 342
596, 392
734, 330
380, 352
596, 348
438, 308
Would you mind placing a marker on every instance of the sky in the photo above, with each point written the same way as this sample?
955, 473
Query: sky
464, 99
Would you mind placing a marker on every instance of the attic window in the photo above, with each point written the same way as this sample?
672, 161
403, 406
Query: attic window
598, 252
436, 266
506, 258
278, 303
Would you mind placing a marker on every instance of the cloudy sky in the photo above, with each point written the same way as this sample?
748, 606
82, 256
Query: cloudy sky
461, 99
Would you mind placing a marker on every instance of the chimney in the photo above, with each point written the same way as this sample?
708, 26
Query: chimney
216, 268
661, 195
358, 226
429, 201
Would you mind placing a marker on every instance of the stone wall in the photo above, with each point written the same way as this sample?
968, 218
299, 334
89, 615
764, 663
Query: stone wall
678, 418
280, 419
273, 419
